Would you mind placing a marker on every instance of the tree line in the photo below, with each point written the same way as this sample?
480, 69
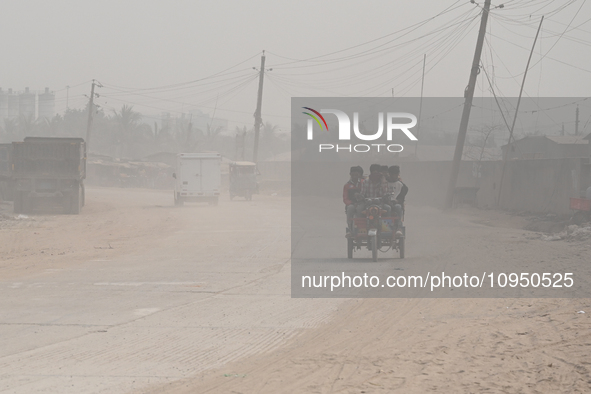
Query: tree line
126, 133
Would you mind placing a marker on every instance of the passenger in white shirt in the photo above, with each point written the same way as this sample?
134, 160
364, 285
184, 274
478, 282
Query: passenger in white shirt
394, 188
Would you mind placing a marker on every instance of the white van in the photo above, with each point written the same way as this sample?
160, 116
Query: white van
198, 178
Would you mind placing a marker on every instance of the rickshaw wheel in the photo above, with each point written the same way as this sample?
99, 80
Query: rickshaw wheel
401, 247
350, 247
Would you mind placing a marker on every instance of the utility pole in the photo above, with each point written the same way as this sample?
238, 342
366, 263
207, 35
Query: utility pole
67, 97
90, 115
240, 144
517, 113
468, 95
577, 121
257, 115
420, 107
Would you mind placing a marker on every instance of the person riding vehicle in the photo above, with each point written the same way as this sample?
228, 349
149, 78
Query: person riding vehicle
375, 186
394, 174
351, 192
396, 196
373, 225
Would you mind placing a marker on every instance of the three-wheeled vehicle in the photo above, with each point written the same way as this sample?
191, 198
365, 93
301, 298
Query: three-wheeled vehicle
375, 231
243, 179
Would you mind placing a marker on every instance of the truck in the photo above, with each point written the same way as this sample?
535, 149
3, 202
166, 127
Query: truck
198, 178
50, 169
6, 182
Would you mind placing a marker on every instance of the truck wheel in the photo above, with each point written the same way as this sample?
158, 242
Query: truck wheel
83, 195
18, 202
401, 247
178, 201
76, 201
248, 195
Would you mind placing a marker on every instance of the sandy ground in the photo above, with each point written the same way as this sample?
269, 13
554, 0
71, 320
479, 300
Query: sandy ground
137, 296
113, 223
417, 346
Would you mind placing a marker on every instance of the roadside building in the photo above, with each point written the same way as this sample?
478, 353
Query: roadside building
27, 104
548, 147
46, 105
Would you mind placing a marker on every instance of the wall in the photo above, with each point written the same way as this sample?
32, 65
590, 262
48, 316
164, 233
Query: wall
537, 185
544, 148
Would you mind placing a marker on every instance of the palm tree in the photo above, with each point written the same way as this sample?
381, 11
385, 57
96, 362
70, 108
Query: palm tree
26, 125
207, 139
127, 121
268, 141
269, 131
10, 130
240, 143
50, 127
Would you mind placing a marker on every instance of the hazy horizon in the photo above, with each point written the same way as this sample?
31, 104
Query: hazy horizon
134, 48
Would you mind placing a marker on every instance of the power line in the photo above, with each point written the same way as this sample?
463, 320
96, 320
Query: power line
416, 25
220, 73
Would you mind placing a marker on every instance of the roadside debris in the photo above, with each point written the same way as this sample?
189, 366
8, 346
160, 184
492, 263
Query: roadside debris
233, 375
571, 233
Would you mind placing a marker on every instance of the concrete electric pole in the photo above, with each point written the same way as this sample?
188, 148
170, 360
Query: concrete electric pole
577, 121
468, 95
90, 113
257, 115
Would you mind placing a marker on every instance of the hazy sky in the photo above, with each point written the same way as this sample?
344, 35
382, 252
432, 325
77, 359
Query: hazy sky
134, 46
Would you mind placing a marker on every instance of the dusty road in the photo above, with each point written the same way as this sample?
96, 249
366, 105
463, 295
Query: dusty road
137, 296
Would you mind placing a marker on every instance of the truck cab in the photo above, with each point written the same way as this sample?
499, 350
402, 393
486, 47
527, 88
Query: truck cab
197, 178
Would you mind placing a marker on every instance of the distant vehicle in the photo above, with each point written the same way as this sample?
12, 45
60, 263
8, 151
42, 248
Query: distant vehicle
49, 169
6, 181
243, 179
198, 178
